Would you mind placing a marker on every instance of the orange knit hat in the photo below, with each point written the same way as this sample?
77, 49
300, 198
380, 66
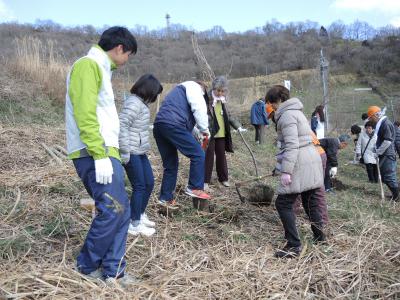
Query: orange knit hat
372, 110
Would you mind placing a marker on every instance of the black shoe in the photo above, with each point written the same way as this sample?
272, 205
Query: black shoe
288, 252
395, 194
330, 191
322, 242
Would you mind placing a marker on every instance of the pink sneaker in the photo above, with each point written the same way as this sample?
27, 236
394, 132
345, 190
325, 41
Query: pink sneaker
197, 193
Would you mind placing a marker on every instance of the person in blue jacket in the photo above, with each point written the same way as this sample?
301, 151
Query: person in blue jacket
183, 111
258, 117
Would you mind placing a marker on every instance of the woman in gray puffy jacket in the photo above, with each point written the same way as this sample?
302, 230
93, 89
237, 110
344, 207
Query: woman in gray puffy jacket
134, 144
300, 167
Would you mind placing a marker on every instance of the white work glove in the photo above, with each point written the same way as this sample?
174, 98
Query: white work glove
104, 170
206, 132
125, 157
333, 172
197, 134
241, 129
286, 179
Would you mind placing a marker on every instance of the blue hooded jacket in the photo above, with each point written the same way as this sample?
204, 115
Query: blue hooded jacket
258, 114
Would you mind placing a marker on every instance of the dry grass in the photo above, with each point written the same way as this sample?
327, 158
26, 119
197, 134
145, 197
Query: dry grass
224, 255
38, 61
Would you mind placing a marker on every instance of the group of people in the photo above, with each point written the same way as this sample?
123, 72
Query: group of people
306, 164
194, 121
376, 147
104, 145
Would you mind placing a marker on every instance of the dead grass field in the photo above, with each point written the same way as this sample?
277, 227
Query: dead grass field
224, 255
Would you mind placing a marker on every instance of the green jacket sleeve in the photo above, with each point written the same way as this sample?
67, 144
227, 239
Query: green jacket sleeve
84, 86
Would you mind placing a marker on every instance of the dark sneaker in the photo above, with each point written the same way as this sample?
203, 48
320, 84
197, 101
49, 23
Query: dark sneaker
288, 252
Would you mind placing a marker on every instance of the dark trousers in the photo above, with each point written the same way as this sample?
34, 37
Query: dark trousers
388, 167
372, 172
257, 129
284, 205
320, 198
141, 178
169, 140
105, 242
217, 146
327, 178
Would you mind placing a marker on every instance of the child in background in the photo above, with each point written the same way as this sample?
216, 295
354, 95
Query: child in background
134, 144
318, 122
364, 151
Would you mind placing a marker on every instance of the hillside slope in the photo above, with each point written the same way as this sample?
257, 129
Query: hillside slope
227, 254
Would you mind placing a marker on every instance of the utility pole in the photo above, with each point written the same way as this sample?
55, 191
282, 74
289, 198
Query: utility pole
324, 66
167, 17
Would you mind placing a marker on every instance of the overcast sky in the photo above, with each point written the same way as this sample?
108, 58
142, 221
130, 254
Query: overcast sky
233, 16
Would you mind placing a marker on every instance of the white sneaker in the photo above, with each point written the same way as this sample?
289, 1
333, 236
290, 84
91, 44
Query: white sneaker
207, 188
123, 282
226, 183
141, 229
96, 274
145, 220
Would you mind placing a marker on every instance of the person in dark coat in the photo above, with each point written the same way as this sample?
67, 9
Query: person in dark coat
331, 147
385, 150
258, 117
397, 139
220, 132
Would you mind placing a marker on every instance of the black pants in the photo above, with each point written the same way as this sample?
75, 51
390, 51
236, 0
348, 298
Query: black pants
372, 171
284, 205
217, 146
258, 131
327, 178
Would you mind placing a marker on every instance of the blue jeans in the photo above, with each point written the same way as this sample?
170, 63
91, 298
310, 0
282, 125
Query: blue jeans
105, 242
387, 167
169, 140
141, 178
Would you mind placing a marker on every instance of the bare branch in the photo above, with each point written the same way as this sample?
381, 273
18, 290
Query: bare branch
207, 72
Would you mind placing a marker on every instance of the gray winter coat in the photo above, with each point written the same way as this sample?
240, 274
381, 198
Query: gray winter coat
300, 158
134, 127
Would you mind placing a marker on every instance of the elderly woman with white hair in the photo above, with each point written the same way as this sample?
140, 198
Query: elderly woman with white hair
219, 125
